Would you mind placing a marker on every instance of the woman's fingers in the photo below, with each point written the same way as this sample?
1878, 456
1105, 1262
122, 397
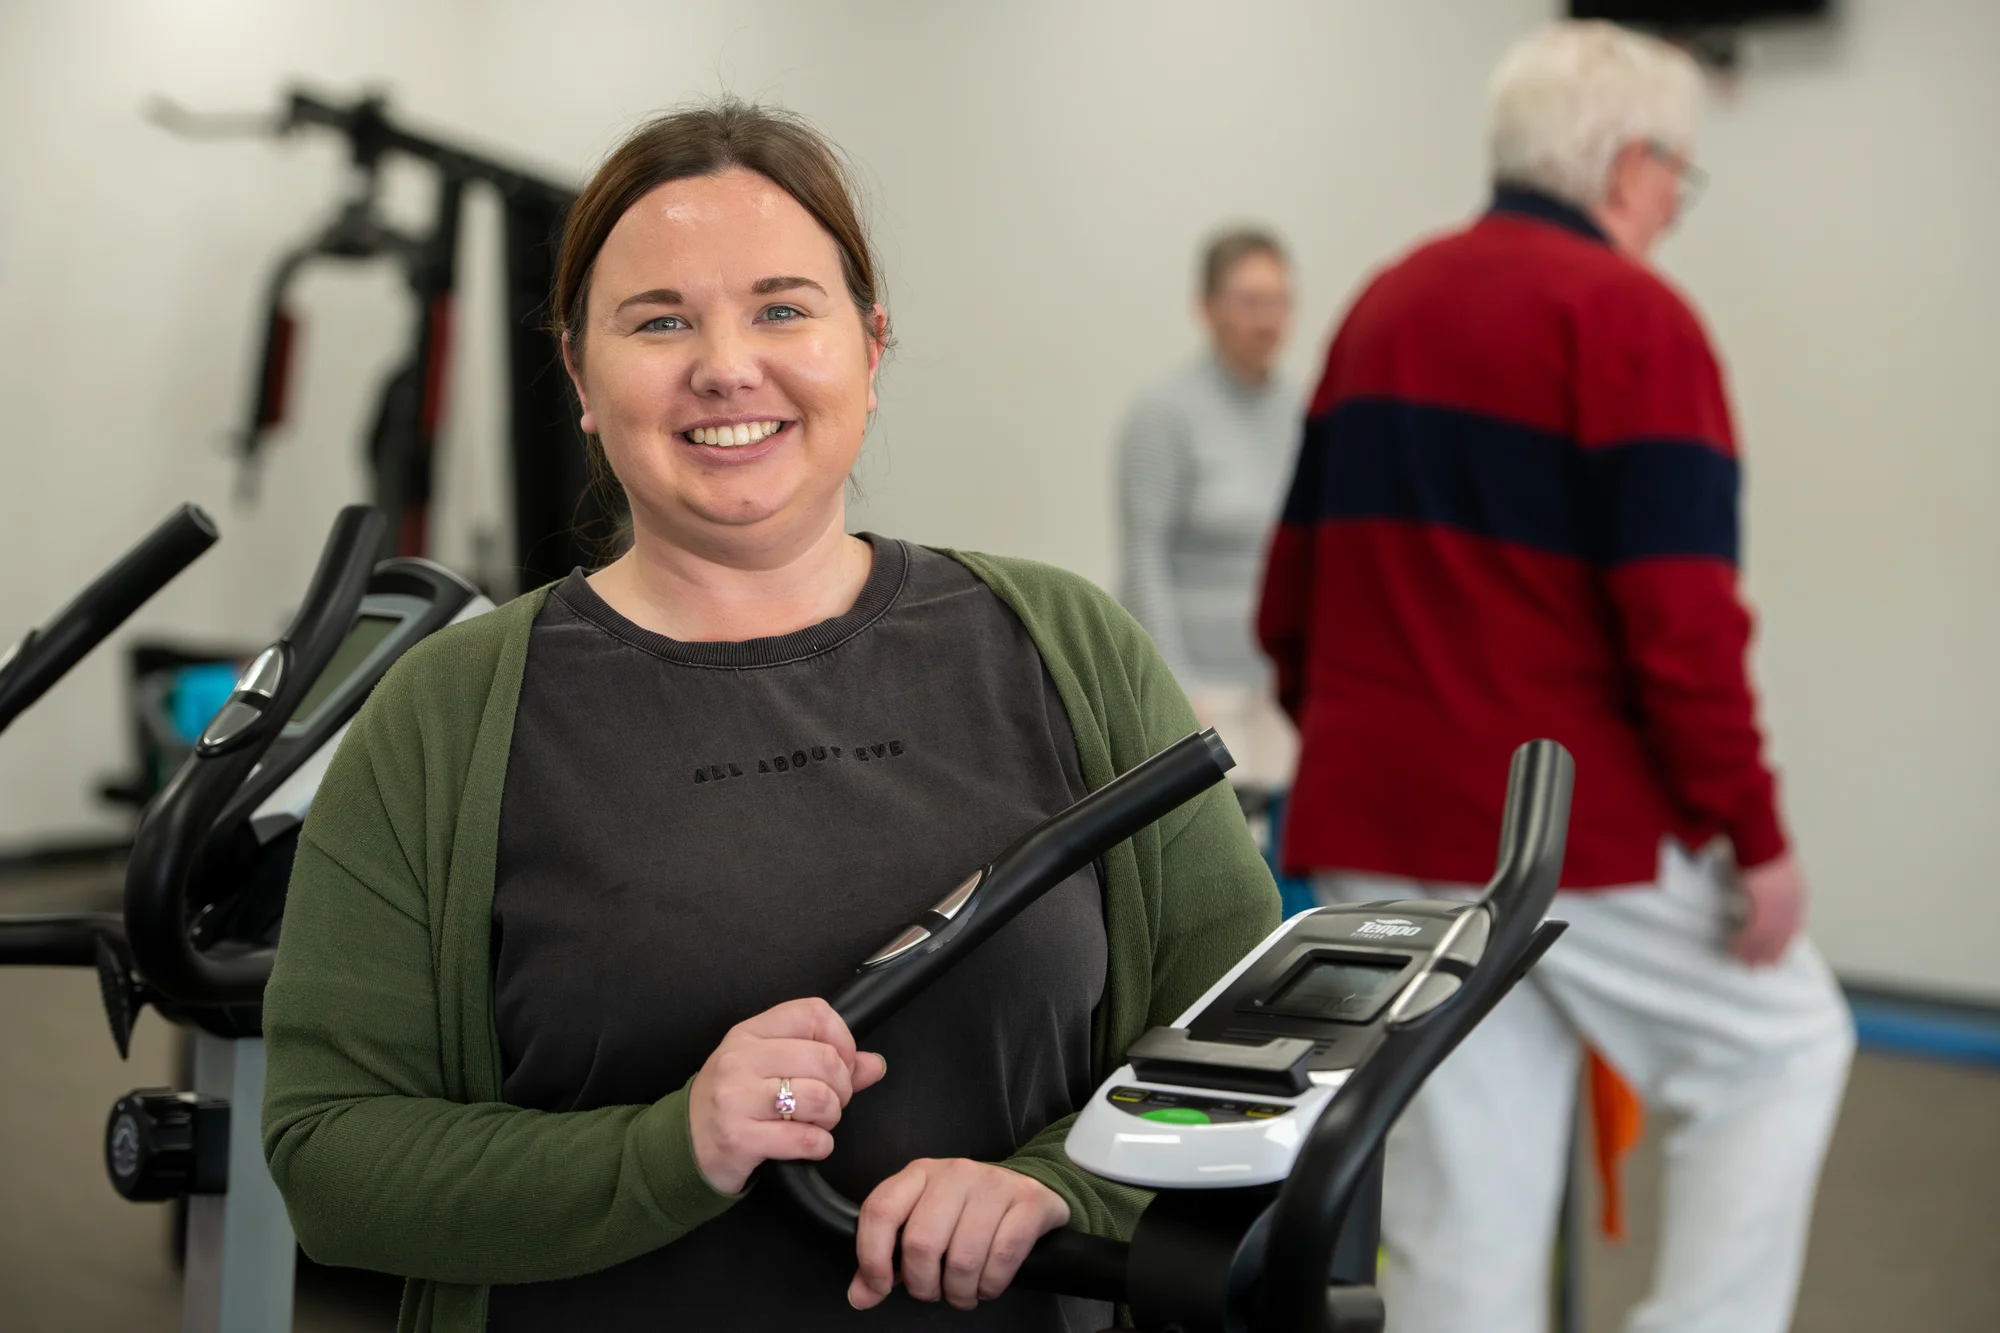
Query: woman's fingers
927, 1232
809, 1020
733, 1116
869, 1069
746, 1116
882, 1216
966, 1228
1026, 1222
813, 1102
970, 1252
785, 1057
812, 1021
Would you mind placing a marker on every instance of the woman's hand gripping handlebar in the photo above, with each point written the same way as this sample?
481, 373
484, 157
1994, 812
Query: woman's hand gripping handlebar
990, 898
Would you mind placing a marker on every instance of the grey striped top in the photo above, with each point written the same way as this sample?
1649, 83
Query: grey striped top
1202, 467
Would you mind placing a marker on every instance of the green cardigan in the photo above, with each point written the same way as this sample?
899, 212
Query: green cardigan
383, 1122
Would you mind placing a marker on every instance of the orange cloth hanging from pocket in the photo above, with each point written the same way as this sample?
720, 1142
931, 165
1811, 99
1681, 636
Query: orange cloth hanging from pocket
1618, 1119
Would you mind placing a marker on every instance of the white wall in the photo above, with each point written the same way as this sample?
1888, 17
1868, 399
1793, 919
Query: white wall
130, 269
1845, 259
1041, 173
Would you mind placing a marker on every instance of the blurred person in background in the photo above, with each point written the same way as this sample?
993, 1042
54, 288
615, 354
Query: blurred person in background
1515, 515
1201, 470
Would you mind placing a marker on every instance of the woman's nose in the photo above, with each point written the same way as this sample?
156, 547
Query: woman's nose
725, 363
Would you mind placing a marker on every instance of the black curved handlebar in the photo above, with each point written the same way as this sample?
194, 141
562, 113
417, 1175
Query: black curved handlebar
41, 658
1042, 858
1328, 1173
177, 825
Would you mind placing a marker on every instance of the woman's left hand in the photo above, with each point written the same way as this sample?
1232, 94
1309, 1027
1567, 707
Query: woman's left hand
966, 1228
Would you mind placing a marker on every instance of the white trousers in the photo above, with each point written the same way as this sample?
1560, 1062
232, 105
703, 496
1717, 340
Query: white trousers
1752, 1062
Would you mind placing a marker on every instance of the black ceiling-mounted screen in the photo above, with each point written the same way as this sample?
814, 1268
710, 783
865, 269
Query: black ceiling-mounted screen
1695, 13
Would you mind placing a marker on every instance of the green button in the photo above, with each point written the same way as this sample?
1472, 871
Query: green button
1176, 1115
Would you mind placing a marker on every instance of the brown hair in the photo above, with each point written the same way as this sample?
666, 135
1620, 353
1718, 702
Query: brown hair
704, 140
1230, 248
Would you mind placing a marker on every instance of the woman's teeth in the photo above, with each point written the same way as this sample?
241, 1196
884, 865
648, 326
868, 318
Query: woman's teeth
728, 437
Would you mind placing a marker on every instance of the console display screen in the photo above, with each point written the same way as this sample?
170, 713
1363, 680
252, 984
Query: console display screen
366, 636
1336, 988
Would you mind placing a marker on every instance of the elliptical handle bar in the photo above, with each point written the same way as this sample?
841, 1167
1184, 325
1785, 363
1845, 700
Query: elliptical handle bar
1332, 1164
41, 658
1039, 860
176, 826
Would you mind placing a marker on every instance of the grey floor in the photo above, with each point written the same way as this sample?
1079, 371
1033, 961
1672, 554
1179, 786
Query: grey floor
1907, 1234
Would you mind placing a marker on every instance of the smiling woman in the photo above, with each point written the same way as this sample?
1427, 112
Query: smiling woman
535, 1067
720, 316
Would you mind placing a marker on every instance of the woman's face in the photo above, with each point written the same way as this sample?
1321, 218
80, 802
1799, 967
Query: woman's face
723, 366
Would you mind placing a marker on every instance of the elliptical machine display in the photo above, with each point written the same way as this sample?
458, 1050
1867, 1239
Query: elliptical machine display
1224, 1096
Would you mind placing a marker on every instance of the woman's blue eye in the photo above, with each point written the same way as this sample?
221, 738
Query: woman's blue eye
660, 324
783, 314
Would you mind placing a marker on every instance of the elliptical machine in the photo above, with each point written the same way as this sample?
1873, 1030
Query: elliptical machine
204, 897
1259, 1116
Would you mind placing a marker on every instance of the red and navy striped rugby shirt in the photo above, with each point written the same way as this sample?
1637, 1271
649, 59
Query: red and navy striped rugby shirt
1515, 515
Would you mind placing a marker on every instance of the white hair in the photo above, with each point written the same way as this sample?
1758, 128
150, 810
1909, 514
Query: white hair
1566, 99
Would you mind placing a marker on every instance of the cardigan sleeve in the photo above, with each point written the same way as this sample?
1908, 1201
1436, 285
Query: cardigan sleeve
378, 1166
1210, 895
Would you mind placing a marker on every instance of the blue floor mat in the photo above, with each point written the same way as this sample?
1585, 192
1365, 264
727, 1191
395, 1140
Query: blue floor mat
1962, 1034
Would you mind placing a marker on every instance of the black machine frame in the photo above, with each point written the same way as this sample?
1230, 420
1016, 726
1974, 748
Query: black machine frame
559, 513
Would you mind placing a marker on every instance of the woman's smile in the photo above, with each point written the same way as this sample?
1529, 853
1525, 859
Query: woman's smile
735, 441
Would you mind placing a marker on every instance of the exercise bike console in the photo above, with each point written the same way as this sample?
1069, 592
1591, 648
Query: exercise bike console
1223, 1097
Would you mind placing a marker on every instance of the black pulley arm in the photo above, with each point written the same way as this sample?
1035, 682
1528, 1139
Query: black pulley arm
1334, 1161
176, 826
39, 660
987, 900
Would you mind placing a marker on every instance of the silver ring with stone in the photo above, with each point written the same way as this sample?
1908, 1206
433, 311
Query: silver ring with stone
786, 1102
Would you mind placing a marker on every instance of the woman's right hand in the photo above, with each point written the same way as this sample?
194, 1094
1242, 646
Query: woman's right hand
733, 1102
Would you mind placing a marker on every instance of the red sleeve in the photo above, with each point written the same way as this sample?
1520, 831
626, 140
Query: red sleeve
1661, 486
1285, 611
1285, 607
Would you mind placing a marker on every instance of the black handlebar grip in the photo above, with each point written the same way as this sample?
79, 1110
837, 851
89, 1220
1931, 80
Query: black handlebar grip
178, 823
326, 613
1036, 862
1334, 1161
46, 654
1039, 860
1534, 830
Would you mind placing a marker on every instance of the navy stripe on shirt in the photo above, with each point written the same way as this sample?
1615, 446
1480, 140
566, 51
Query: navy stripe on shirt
1375, 458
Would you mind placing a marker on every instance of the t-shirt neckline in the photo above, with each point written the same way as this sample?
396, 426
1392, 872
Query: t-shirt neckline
886, 577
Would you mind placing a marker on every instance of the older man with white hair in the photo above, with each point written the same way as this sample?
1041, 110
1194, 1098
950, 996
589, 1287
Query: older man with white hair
1515, 515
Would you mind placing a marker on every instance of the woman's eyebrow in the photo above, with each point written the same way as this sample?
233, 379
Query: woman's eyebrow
657, 296
765, 286
761, 287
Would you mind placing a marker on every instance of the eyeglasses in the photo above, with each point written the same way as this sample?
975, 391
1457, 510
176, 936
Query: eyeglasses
1693, 180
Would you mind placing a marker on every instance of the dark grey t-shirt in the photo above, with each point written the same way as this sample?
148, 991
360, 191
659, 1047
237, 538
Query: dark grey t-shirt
694, 832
